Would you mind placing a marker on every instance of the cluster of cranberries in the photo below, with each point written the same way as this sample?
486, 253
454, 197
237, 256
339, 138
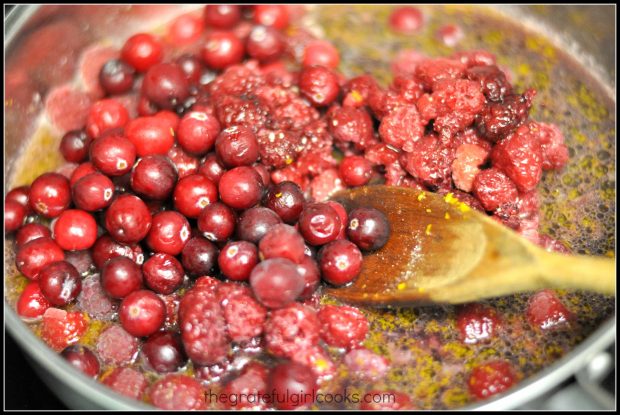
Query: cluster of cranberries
225, 172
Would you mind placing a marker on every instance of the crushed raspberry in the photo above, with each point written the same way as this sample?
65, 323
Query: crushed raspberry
477, 323
342, 326
94, 301
551, 139
231, 110
366, 364
177, 392
492, 81
61, 328
431, 71
117, 347
498, 119
468, 158
494, 189
490, 379
430, 162
325, 184
291, 329
546, 311
402, 128
126, 381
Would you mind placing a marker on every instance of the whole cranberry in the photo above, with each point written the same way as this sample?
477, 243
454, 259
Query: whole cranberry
344, 218
255, 222
128, 219
106, 248
150, 135
116, 77
274, 15
340, 262
163, 273
265, 44
319, 223
222, 16
368, 228
30, 232
263, 172
82, 170
185, 29
212, 168
222, 49
32, 304
282, 241
237, 259
199, 256
406, 19
163, 352
93, 192
113, 155
217, 222
20, 195
165, 85
142, 313
185, 163
146, 108
192, 67
60, 283
169, 232
142, 51
75, 230
295, 382
50, 194
241, 187
14, 215
83, 359
105, 115
237, 146
193, 193
154, 177
74, 146
33, 256
197, 132
319, 85
321, 52
276, 282
120, 276
309, 270
355, 170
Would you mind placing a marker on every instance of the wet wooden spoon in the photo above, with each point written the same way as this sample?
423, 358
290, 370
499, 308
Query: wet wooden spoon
441, 251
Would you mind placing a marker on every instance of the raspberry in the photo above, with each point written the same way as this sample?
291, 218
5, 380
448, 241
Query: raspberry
117, 347
295, 114
468, 199
546, 311
317, 360
554, 151
382, 154
231, 110
490, 379
494, 189
553, 245
61, 98
430, 162
467, 159
409, 89
477, 323
474, 58
291, 174
402, 128
499, 119
94, 301
291, 329
342, 326
325, 184
492, 81
61, 328
397, 401
520, 157
357, 90
470, 136
244, 316
278, 148
248, 387
177, 392
366, 364
431, 71
126, 381
349, 124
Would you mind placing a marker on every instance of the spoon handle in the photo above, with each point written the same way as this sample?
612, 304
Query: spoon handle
579, 272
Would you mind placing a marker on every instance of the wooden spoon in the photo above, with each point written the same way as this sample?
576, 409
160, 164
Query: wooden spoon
442, 251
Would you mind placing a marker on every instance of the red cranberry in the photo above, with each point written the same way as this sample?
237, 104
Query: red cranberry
237, 260
222, 49
163, 273
146, 108
105, 115
287, 200
20, 195
113, 155
322, 53
116, 77
450, 34
60, 283
222, 16
368, 228
74, 146
50, 194
319, 223
340, 262
197, 132
107, 248
185, 29
342, 326
276, 282
319, 85
212, 168
142, 51
83, 359
263, 172
165, 85
30, 232
154, 177
169, 233
309, 270
93, 192
14, 215
185, 163
163, 352
192, 67
199, 256
274, 15
128, 219
75, 230
150, 135
120, 276
142, 313
82, 170
282, 241
490, 379
193, 193
237, 146
255, 222
265, 44
355, 170
295, 382
406, 19
33, 256
32, 303
241, 187
217, 222
477, 323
